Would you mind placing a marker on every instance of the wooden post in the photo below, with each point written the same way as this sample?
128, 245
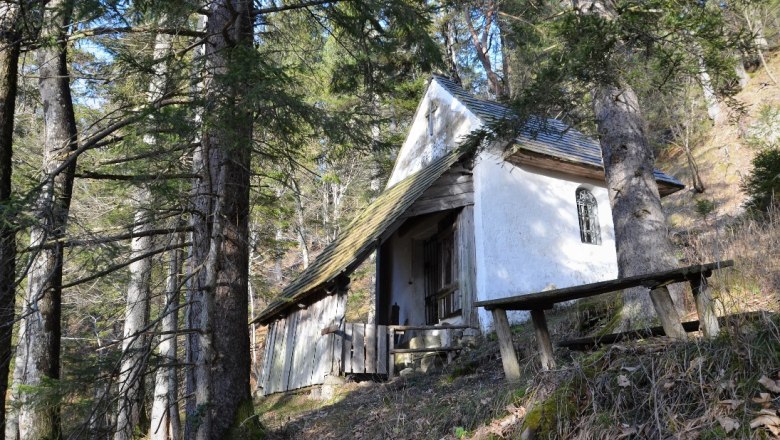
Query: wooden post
391, 347
508, 356
667, 313
705, 307
543, 339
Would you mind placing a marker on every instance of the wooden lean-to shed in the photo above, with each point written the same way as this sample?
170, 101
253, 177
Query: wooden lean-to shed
452, 227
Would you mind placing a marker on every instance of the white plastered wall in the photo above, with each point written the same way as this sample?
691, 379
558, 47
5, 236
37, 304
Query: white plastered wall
451, 122
527, 233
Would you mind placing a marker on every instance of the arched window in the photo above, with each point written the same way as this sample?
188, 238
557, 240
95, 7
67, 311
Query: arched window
587, 211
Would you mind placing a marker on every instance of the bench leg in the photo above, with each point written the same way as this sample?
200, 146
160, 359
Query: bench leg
667, 313
508, 356
543, 339
705, 307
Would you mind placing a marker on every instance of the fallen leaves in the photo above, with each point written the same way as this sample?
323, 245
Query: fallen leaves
763, 398
623, 381
732, 403
728, 424
768, 419
770, 384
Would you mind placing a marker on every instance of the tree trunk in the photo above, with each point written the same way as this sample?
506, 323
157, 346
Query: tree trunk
165, 424
482, 47
222, 406
710, 97
38, 352
135, 343
755, 25
640, 225
451, 54
9, 59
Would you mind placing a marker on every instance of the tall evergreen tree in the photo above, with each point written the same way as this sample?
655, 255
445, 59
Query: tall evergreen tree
10, 44
38, 350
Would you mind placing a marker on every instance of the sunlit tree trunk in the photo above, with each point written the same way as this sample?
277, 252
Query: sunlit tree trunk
9, 59
481, 40
641, 235
221, 391
165, 423
136, 342
449, 35
38, 352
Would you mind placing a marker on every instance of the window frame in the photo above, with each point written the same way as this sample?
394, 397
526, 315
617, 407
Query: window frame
588, 216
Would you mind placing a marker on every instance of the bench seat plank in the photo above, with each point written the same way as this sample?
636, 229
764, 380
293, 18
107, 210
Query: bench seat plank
546, 299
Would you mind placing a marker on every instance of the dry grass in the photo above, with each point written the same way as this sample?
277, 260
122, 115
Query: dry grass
469, 394
724, 159
754, 282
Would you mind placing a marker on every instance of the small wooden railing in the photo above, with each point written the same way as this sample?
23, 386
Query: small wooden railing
537, 302
449, 348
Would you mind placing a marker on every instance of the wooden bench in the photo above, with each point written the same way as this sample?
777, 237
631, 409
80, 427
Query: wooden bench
537, 302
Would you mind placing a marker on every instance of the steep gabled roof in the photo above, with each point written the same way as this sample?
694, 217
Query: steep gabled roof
548, 137
360, 237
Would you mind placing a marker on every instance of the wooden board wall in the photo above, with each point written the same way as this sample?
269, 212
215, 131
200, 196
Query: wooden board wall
297, 354
467, 276
453, 189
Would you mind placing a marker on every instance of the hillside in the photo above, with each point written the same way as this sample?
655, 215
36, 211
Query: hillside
723, 157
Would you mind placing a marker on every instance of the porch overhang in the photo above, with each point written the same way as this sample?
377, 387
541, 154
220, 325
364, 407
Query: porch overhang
374, 225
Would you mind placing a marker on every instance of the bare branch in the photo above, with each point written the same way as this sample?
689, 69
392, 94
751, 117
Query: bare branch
116, 267
94, 32
110, 239
137, 177
302, 5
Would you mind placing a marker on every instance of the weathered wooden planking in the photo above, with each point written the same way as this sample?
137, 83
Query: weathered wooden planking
346, 359
275, 383
391, 355
466, 265
323, 352
268, 357
436, 192
292, 326
326, 361
299, 345
439, 204
338, 339
311, 343
381, 349
371, 348
358, 348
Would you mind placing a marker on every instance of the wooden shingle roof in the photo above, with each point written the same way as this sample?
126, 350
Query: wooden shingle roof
356, 242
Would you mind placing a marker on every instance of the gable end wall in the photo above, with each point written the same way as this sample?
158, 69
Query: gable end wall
527, 233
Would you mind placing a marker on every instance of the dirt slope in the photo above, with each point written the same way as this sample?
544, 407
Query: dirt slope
723, 159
